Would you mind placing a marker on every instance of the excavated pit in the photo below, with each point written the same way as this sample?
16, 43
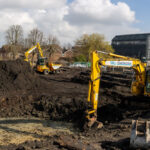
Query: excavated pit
62, 97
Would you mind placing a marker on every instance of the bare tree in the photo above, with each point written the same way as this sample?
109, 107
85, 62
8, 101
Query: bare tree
55, 41
49, 39
26, 43
52, 40
14, 35
52, 45
68, 46
35, 36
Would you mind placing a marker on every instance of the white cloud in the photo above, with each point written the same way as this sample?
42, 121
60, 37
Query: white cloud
101, 16
99, 11
68, 21
9, 17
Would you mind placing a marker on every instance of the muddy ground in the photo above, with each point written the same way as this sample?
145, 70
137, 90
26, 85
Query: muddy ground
62, 97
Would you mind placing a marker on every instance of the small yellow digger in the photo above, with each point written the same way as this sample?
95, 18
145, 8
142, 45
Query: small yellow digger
41, 65
140, 86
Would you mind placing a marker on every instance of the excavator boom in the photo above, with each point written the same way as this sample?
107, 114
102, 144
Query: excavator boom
31, 50
93, 90
28, 52
96, 65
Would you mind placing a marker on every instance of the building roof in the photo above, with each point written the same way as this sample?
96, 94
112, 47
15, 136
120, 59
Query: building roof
131, 37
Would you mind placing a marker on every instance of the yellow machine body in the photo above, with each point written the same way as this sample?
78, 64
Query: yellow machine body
140, 85
41, 63
41, 68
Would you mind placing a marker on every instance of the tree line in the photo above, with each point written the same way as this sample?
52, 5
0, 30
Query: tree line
82, 47
15, 36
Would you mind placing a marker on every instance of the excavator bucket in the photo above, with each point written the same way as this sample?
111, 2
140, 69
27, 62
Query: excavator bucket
90, 121
140, 134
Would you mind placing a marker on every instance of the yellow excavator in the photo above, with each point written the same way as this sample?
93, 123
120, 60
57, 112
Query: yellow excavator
140, 86
41, 65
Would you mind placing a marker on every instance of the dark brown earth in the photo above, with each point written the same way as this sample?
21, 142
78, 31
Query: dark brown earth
24, 93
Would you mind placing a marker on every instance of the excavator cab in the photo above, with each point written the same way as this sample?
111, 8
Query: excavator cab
41, 61
41, 65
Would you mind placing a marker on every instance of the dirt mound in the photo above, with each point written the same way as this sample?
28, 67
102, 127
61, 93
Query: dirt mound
66, 108
48, 107
17, 75
82, 77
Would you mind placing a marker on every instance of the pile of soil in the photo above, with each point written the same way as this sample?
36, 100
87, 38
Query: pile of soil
17, 75
82, 77
61, 108
36, 95
48, 107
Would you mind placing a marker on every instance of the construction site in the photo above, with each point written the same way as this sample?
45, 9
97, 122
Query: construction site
48, 111
74, 75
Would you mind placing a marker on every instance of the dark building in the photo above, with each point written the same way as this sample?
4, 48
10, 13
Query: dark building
133, 45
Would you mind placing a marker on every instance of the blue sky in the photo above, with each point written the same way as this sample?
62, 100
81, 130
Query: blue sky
142, 12
69, 1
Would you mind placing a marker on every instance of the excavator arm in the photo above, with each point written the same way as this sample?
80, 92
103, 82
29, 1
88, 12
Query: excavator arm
28, 52
31, 50
93, 89
137, 87
40, 50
